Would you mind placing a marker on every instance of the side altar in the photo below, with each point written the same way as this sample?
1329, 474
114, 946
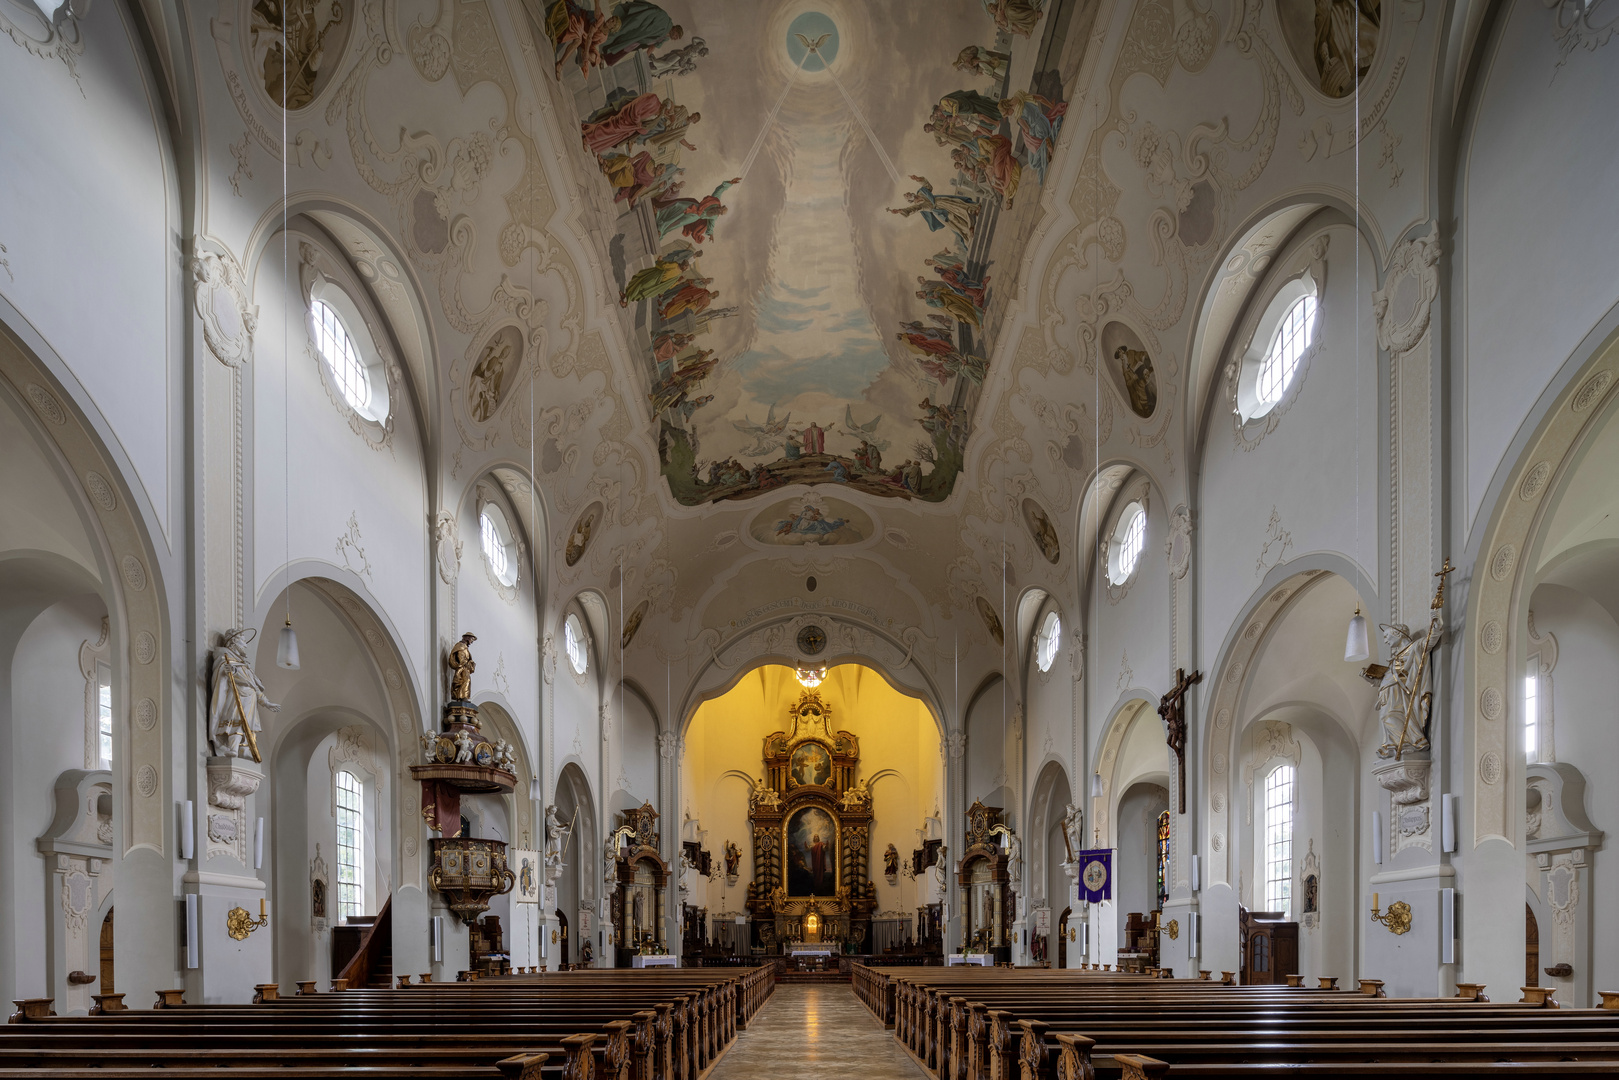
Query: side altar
811, 824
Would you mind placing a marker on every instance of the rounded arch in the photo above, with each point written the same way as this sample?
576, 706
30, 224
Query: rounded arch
1234, 274
1045, 846
1506, 554
730, 660
1124, 757
1231, 684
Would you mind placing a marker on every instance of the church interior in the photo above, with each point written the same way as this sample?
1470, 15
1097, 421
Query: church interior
1088, 532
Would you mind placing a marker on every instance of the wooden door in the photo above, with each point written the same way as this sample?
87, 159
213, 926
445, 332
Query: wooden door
562, 924
1062, 938
106, 955
1531, 947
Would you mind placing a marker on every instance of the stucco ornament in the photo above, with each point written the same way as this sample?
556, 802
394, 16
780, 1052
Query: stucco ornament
1404, 304
220, 297
447, 546
1178, 547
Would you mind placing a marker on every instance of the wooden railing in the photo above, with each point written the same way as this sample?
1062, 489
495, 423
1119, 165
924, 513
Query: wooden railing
358, 970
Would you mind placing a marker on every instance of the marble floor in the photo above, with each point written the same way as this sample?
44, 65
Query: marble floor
815, 1031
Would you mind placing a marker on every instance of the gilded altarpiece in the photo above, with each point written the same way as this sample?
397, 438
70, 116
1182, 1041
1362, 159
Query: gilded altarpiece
985, 881
811, 824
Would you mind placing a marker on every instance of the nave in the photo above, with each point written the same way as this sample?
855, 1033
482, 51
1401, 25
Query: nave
810, 1032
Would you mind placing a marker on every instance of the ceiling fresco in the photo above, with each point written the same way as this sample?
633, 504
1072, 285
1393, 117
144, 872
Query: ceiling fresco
813, 213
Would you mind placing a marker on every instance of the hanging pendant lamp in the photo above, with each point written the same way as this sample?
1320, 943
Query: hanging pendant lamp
286, 650
1357, 646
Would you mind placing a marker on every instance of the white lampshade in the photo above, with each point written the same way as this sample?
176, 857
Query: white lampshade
1096, 785
1356, 646
286, 652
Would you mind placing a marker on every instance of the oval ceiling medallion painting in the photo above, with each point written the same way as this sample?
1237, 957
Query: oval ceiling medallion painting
579, 537
1130, 368
494, 372
812, 520
1040, 527
1333, 41
295, 69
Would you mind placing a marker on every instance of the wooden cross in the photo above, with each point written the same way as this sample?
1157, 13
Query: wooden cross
1172, 707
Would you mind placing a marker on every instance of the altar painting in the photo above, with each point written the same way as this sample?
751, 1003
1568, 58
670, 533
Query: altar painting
812, 852
811, 764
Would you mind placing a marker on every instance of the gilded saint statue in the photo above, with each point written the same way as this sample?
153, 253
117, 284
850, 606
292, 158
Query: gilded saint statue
233, 707
461, 668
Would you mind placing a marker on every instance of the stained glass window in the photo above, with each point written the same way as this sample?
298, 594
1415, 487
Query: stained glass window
1163, 858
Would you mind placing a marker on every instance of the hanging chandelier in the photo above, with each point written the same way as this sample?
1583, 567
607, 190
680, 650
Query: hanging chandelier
811, 677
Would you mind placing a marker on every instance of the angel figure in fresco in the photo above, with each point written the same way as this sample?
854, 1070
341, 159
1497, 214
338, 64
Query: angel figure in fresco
766, 436
233, 707
985, 62
1015, 16
622, 118
1040, 121
1346, 34
695, 218
657, 278
575, 28
956, 212
681, 61
642, 25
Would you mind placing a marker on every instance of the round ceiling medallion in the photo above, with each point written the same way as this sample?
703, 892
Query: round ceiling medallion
811, 640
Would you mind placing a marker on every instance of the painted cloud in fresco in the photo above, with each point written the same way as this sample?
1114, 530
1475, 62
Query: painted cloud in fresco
807, 208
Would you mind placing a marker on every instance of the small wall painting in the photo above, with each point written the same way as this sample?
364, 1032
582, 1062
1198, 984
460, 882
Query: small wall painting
992, 621
633, 623
317, 30
1131, 366
811, 520
812, 853
494, 372
1333, 41
527, 864
811, 764
584, 529
1044, 533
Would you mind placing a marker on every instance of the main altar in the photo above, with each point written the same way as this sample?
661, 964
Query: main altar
811, 824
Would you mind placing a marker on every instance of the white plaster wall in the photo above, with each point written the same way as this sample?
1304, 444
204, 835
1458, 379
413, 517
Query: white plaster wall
1135, 862
88, 224
1131, 635
1538, 268
335, 476
47, 737
1585, 688
1317, 471
576, 712
507, 629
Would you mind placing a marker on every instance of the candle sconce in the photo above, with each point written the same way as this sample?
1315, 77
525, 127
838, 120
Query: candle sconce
239, 924
1172, 928
1397, 918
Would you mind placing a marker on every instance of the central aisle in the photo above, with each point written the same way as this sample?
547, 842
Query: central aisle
816, 1031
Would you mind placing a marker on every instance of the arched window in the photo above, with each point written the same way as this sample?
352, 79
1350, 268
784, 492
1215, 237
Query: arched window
104, 714
1129, 541
1531, 713
1047, 640
1163, 859
495, 537
337, 348
350, 845
1278, 847
1293, 336
574, 641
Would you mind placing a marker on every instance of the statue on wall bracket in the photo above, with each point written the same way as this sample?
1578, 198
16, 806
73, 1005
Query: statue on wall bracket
233, 707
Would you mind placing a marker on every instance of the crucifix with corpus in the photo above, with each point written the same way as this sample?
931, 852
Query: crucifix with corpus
1172, 707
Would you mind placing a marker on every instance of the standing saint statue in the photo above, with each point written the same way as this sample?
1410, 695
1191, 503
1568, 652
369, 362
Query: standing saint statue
461, 668
233, 707
1404, 702
556, 837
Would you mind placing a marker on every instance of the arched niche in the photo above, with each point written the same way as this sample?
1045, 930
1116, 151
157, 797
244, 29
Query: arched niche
574, 892
728, 658
96, 543
1047, 888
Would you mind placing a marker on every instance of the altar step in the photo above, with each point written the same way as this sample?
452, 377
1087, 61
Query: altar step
833, 976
